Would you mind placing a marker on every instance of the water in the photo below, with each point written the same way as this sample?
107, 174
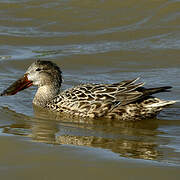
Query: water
92, 41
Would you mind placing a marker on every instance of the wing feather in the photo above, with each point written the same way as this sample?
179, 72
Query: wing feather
124, 92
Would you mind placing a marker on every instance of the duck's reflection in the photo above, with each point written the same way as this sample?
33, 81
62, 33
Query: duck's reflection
135, 140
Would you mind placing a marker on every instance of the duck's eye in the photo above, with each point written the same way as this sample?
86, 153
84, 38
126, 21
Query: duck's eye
38, 69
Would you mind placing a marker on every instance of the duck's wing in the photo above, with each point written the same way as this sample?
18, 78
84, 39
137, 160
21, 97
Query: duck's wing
121, 93
98, 99
134, 92
128, 91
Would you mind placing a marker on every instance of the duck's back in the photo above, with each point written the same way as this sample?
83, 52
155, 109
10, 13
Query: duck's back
126, 100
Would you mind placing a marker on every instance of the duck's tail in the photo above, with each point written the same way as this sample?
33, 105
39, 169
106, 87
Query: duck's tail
150, 91
159, 103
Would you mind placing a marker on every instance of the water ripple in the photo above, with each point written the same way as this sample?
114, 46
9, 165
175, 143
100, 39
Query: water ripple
159, 42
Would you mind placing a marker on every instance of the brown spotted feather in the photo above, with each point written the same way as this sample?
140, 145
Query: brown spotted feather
126, 100
98, 100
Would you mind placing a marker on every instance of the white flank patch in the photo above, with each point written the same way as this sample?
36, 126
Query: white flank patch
160, 104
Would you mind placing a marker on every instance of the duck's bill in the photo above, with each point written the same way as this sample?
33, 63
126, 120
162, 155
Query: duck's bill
17, 86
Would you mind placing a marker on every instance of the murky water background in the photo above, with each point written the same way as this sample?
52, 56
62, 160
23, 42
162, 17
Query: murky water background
92, 41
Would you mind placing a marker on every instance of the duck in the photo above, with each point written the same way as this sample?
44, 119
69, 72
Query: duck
126, 100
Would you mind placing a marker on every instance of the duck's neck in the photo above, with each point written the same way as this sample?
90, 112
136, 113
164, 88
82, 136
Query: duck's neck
45, 94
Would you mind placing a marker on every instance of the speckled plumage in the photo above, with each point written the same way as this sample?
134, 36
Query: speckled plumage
126, 100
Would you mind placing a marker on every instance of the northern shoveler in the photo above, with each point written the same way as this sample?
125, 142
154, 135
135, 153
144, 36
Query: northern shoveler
126, 100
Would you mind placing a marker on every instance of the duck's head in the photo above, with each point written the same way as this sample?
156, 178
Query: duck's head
40, 73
